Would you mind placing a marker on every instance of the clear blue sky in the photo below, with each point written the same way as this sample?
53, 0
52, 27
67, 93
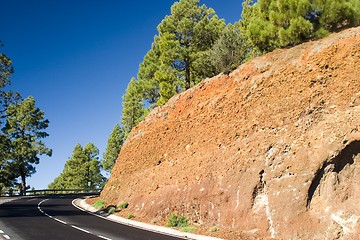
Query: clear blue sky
76, 59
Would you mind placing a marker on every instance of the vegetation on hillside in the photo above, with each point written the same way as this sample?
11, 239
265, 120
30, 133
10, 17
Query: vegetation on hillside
115, 142
279, 23
193, 43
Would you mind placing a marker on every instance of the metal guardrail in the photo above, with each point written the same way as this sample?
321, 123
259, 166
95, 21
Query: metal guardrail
61, 191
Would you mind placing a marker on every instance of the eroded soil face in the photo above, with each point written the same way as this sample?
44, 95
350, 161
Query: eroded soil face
270, 151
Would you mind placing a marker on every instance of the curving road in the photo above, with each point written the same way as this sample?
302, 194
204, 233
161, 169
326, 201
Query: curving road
56, 218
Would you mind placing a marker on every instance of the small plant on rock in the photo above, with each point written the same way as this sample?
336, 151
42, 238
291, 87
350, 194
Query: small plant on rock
188, 229
175, 220
99, 204
111, 209
214, 229
123, 205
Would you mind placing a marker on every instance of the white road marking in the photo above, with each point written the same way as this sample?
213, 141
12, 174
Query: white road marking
56, 219
104, 237
61, 221
6, 236
80, 229
65, 223
1, 231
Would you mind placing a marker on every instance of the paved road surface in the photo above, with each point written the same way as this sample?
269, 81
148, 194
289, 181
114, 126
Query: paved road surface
56, 218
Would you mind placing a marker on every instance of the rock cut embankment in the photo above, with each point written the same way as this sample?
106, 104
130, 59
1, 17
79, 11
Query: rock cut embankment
271, 150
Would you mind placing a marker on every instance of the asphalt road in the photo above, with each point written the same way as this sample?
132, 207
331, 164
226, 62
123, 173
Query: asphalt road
56, 218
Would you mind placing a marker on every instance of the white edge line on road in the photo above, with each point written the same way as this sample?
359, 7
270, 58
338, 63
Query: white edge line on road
48, 214
6, 236
138, 225
80, 229
1, 231
104, 237
126, 224
65, 223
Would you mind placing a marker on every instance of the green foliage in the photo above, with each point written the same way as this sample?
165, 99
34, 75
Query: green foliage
111, 209
337, 14
230, 50
133, 111
115, 142
177, 59
214, 229
270, 24
24, 130
188, 229
130, 216
184, 35
81, 171
6, 97
150, 86
175, 220
168, 82
123, 205
6, 69
99, 204
8, 173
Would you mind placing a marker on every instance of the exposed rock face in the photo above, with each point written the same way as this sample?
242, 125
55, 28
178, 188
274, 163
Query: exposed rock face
270, 151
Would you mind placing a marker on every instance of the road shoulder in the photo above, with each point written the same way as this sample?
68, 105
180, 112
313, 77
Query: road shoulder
82, 205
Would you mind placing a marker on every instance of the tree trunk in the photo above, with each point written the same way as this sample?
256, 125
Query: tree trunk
23, 184
187, 75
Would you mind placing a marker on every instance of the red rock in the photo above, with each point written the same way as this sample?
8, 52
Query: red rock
270, 151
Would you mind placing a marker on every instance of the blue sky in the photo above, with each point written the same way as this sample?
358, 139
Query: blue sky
76, 59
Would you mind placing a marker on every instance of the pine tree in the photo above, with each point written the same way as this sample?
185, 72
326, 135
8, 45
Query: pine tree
115, 142
74, 173
7, 173
270, 24
149, 85
93, 174
184, 38
133, 111
6, 97
6, 69
81, 171
183, 35
336, 14
24, 129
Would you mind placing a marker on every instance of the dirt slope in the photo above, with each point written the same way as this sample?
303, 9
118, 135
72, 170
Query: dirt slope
270, 151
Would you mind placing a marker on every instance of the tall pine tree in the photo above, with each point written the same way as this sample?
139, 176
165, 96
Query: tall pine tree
177, 59
149, 85
190, 30
81, 171
115, 142
133, 111
7, 173
24, 131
